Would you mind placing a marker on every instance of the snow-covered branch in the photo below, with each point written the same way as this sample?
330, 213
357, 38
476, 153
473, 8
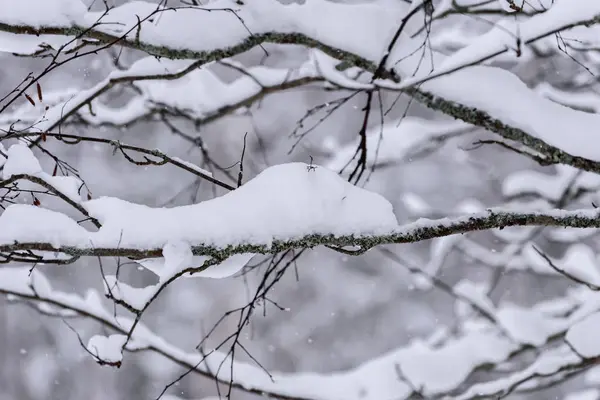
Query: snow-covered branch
22, 284
373, 380
101, 245
166, 96
363, 48
308, 206
194, 65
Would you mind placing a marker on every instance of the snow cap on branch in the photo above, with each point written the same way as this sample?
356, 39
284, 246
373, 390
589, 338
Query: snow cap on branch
283, 202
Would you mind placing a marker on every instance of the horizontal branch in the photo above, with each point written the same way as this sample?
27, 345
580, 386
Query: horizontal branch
409, 233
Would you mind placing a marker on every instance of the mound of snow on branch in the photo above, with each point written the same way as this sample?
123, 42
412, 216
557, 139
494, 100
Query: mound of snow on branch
284, 202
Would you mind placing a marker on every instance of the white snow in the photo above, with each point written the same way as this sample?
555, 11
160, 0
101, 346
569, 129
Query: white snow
25, 223
476, 294
583, 336
72, 102
443, 369
27, 45
581, 100
586, 394
107, 348
547, 363
311, 18
325, 66
579, 261
435, 369
287, 201
192, 166
21, 160
39, 13
562, 14
28, 115
137, 298
227, 268
210, 96
415, 204
211, 93
527, 326
177, 259
504, 96
283, 202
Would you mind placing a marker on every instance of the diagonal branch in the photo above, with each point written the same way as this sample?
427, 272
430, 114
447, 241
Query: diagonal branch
122, 147
46, 185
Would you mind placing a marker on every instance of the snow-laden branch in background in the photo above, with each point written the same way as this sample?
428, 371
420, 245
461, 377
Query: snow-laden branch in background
509, 35
144, 69
358, 37
397, 141
26, 115
500, 105
580, 100
556, 362
198, 94
434, 368
22, 283
550, 187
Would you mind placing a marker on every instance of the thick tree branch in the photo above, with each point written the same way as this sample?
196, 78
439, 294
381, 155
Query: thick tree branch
480, 118
410, 233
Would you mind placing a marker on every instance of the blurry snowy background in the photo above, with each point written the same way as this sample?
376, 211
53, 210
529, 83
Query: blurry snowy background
343, 310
